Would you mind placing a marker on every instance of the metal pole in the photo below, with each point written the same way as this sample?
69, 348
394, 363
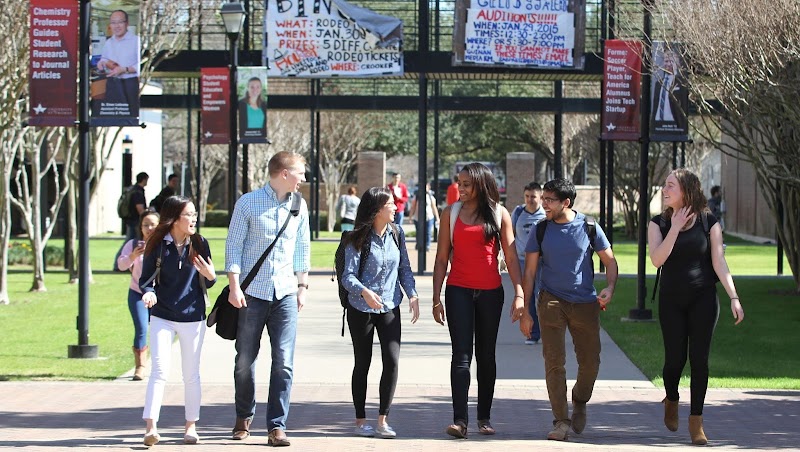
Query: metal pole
610, 194
640, 313
189, 159
233, 145
199, 161
245, 168
674, 155
313, 215
558, 131
780, 225
603, 146
83, 349
423, 176
318, 143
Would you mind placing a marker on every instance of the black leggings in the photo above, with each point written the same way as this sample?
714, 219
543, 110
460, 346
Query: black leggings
687, 322
472, 312
362, 325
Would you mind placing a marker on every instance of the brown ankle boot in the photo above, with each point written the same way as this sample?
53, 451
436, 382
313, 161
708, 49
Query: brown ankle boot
670, 414
139, 356
696, 430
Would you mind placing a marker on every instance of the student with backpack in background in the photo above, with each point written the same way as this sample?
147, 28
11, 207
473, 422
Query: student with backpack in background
474, 231
686, 242
130, 205
524, 218
567, 300
374, 298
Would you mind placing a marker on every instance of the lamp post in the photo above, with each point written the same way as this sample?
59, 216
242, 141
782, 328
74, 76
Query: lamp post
233, 15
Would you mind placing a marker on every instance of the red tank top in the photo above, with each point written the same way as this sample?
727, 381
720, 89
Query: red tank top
474, 262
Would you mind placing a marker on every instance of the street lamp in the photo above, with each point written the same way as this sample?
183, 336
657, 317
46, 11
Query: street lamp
233, 15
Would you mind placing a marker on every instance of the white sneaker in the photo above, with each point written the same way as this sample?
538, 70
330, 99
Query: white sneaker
531, 341
365, 430
385, 431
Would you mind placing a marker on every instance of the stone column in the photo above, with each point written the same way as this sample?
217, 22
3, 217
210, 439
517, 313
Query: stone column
371, 170
520, 170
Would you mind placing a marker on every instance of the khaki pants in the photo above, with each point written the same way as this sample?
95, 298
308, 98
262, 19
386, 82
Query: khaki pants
583, 321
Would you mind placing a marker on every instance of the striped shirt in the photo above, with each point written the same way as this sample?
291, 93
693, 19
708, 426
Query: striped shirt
257, 218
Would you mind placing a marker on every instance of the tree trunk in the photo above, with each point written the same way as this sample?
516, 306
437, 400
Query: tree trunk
5, 234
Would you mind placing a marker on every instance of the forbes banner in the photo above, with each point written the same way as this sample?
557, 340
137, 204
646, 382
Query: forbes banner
669, 93
53, 77
621, 115
317, 39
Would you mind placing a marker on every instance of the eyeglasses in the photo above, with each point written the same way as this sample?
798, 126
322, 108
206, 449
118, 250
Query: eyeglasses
190, 216
117, 22
549, 200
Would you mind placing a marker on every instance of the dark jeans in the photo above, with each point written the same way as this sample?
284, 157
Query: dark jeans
687, 322
477, 313
280, 318
362, 327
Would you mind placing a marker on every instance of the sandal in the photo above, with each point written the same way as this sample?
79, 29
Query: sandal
457, 429
485, 427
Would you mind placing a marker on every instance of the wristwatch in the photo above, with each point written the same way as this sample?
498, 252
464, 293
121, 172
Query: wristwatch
302, 285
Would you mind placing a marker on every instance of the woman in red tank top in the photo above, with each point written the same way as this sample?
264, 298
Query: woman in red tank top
474, 293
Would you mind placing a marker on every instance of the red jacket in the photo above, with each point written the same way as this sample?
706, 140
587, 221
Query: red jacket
399, 201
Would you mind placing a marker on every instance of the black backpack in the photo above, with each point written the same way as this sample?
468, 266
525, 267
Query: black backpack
124, 203
338, 264
662, 226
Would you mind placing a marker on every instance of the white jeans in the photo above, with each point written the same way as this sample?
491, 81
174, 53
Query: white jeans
190, 337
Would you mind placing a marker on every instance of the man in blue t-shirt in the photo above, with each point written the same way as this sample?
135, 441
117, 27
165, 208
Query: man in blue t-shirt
524, 218
567, 299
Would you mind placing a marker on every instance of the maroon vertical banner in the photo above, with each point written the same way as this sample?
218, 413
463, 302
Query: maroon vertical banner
215, 94
622, 75
52, 67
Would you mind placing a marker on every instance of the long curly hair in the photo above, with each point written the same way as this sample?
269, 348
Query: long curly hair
488, 197
372, 201
693, 196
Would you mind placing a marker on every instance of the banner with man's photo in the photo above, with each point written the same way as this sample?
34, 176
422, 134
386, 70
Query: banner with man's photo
669, 92
251, 91
52, 67
115, 63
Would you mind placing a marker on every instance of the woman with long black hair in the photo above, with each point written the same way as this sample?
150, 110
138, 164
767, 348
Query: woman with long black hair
374, 300
177, 269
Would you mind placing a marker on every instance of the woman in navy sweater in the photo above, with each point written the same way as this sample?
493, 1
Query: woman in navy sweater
176, 298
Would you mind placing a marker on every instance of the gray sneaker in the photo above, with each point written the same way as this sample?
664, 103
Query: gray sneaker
365, 430
385, 431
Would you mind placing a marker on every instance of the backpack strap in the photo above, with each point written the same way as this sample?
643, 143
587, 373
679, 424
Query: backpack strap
395, 234
454, 209
541, 227
156, 274
591, 230
662, 226
515, 216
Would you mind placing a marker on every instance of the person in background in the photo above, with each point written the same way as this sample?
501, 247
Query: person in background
452, 191
567, 300
131, 259
691, 261
717, 206
474, 293
375, 299
136, 205
346, 207
524, 219
176, 271
431, 216
400, 194
277, 294
169, 190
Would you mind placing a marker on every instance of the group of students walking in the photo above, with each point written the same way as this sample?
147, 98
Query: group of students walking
556, 277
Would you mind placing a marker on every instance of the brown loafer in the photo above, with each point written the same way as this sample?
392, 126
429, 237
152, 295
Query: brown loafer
485, 427
277, 438
241, 430
457, 429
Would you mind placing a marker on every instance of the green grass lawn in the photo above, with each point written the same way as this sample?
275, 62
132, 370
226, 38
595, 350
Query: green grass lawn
758, 353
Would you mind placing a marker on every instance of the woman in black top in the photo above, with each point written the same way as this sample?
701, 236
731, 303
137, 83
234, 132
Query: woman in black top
692, 259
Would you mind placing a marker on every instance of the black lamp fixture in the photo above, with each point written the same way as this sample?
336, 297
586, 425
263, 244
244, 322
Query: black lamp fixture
233, 15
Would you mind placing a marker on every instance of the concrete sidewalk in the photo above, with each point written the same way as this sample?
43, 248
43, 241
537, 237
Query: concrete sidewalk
624, 414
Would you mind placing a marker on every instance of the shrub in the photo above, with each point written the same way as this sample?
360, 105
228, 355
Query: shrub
216, 218
21, 253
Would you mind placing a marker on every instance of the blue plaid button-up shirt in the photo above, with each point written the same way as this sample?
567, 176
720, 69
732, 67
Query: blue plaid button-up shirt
257, 218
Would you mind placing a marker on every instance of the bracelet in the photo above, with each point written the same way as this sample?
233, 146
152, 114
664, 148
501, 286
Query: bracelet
302, 285
437, 305
734, 298
519, 296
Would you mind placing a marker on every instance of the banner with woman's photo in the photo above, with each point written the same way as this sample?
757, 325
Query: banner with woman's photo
251, 90
115, 63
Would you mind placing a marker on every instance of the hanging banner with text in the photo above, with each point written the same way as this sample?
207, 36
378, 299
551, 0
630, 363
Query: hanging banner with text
215, 114
622, 74
323, 39
53, 76
528, 33
115, 64
669, 92
251, 90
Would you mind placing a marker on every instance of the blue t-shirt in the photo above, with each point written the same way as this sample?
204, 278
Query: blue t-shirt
566, 266
524, 223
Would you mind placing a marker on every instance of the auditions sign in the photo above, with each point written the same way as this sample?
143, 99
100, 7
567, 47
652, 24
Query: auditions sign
531, 33
53, 76
621, 101
215, 95
316, 39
